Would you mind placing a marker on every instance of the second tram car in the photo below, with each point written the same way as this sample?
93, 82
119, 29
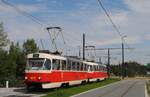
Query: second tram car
50, 71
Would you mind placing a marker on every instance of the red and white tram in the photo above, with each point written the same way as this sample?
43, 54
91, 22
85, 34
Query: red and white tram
50, 71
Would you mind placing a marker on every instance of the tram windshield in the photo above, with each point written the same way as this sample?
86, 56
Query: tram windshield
38, 64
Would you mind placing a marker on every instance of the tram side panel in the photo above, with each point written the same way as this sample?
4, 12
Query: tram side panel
74, 77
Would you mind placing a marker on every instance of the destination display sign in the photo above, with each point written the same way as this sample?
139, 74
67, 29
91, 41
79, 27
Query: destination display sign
35, 55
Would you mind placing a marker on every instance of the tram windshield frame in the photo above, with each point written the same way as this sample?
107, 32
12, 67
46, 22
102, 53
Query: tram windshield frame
38, 64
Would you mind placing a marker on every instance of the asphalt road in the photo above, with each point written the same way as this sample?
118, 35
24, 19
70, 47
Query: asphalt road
125, 88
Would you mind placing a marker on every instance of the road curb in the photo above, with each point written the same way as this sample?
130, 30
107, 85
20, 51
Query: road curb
96, 88
146, 93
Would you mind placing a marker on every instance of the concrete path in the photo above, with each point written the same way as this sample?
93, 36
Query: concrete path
18, 92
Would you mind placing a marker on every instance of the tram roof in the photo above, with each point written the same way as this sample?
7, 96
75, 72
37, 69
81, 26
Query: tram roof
44, 55
89, 63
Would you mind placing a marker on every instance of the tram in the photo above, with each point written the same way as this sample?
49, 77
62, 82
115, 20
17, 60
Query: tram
48, 70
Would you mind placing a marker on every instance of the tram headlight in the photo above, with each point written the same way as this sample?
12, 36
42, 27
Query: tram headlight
26, 77
39, 78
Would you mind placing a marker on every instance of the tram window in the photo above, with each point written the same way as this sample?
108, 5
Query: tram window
69, 65
74, 66
104, 69
63, 65
100, 68
78, 66
85, 67
90, 68
82, 67
47, 65
96, 68
56, 64
93, 68
35, 64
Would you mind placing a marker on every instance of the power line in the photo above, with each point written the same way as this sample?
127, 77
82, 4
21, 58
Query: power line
33, 18
110, 19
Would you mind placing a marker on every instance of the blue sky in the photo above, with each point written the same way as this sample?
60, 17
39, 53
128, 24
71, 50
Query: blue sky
83, 16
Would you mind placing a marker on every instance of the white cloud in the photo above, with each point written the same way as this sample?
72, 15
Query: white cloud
28, 8
95, 24
117, 40
18, 26
134, 23
141, 6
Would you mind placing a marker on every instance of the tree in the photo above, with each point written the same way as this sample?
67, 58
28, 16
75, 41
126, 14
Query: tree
3, 67
148, 67
130, 69
18, 58
30, 46
3, 36
12, 65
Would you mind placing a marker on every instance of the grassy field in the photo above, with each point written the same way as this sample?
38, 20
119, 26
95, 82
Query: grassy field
148, 87
72, 90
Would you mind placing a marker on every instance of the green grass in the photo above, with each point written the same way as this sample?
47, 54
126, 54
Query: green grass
72, 90
148, 87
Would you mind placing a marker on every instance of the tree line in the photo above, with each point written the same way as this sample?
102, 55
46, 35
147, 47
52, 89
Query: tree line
129, 69
13, 60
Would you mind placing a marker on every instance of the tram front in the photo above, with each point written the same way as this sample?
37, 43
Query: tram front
38, 68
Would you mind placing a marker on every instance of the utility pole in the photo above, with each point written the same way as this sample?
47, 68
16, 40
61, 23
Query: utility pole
79, 51
122, 60
122, 38
83, 46
108, 65
100, 60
